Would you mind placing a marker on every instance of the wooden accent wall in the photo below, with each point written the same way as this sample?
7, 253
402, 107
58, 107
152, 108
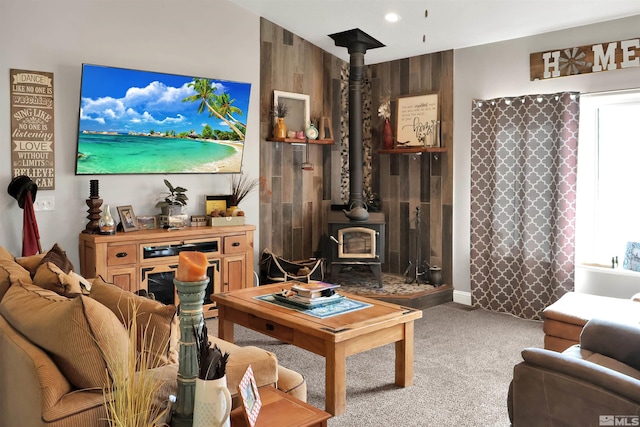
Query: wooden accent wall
406, 181
291, 199
294, 203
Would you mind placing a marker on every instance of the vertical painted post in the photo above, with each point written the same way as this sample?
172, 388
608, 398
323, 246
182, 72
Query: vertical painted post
191, 295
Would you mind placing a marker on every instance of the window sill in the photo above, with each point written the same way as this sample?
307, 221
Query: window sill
601, 268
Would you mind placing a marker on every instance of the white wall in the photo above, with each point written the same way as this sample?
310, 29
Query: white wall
502, 69
204, 38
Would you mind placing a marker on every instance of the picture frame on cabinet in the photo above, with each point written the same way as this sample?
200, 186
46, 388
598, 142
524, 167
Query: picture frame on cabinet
147, 222
218, 203
418, 121
127, 218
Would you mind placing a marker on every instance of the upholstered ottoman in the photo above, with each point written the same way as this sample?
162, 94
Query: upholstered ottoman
564, 319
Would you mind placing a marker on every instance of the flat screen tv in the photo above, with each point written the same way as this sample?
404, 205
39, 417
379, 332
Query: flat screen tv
142, 122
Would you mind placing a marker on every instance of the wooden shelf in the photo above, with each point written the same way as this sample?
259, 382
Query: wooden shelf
410, 150
301, 141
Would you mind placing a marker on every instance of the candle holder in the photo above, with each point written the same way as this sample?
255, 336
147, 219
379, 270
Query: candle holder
93, 202
191, 295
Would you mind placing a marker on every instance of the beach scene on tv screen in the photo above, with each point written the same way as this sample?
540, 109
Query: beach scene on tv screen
134, 121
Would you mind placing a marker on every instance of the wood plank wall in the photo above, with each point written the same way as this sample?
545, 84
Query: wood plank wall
405, 182
294, 203
291, 200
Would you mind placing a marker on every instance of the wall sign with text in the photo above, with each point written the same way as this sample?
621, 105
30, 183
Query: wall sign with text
594, 58
32, 148
418, 121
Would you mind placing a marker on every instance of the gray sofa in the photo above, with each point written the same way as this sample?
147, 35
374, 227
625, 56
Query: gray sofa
594, 383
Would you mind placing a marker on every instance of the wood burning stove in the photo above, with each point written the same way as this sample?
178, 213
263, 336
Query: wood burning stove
356, 243
357, 234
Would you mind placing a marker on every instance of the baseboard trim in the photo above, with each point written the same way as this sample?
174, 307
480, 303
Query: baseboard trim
462, 297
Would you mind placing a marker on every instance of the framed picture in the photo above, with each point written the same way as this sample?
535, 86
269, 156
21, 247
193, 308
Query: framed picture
250, 396
298, 117
632, 257
220, 203
146, 222
127, 218
418, 121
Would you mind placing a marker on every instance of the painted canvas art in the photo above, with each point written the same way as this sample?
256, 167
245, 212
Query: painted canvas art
142, 122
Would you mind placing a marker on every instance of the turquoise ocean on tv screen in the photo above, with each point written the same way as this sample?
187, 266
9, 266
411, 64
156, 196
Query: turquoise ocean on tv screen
128, 154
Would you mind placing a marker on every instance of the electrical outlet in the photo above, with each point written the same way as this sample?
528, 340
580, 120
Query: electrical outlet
44, 203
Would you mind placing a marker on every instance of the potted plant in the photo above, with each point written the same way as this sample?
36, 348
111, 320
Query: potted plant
174, 197
212, 399
173, 205
135, 382
279, 112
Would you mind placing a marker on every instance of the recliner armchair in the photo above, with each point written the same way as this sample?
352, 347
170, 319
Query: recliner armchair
598, 378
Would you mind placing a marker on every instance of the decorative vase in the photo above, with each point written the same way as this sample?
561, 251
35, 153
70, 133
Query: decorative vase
212, 403
280, 129
233, 210
107, 224
387, 134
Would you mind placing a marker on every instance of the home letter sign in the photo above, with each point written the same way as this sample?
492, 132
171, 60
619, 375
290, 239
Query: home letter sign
585, 59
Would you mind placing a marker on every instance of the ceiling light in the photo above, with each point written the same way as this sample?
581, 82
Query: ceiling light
392, 17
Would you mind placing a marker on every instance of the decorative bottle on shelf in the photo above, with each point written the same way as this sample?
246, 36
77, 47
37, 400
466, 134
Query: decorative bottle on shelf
107, 223
280, 128
387, 135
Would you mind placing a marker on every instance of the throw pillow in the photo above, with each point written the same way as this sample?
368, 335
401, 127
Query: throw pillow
10, 272
83, 337
50, 276
5, 254
57, 256
31, 263
157, 324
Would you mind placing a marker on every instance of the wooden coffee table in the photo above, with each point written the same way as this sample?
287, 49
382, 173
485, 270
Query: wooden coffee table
334, 338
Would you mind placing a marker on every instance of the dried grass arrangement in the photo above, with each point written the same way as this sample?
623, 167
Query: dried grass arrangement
131, 399
241, 186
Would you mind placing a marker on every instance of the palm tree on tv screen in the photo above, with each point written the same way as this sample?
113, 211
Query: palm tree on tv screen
205, 94
224, 105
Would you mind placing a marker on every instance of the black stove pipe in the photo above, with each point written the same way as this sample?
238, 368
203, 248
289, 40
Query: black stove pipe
357, 42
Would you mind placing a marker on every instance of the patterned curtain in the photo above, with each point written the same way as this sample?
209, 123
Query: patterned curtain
523, 192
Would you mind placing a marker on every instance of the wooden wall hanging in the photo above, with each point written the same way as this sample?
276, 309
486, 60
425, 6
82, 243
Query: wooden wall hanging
32, 136
587, 59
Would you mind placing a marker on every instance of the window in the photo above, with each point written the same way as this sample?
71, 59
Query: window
608, 192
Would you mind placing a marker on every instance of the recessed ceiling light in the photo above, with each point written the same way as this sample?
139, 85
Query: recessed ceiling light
392, 17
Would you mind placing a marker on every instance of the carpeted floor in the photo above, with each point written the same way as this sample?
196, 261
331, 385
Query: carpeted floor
463, 364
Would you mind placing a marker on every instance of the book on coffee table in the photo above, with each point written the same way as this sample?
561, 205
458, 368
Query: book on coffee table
292, 298
314, 289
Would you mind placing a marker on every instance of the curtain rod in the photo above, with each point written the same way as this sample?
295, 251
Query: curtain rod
612, 92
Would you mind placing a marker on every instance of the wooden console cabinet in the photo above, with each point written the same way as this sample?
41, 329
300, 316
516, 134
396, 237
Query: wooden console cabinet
131, 259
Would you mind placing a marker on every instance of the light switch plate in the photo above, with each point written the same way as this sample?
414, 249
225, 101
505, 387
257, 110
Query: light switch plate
44, 203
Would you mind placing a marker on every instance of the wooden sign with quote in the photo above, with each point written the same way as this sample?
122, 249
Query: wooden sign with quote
32, 136
418, 119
